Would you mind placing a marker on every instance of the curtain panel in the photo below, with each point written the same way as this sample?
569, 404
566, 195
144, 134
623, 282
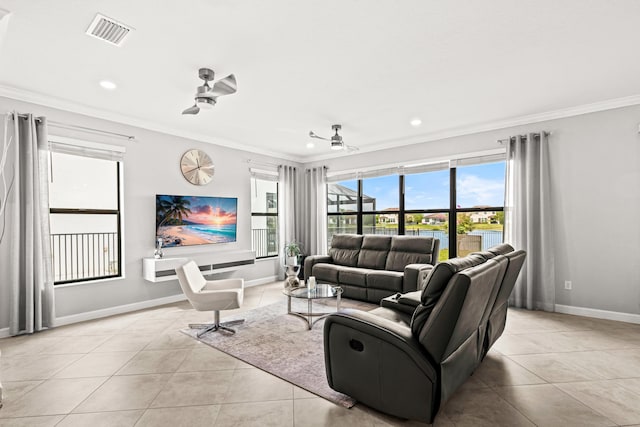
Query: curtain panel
314, 211
289, 192
528, 222
25, 244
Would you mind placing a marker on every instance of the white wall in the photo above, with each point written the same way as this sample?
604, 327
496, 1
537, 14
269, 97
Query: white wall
595, 173
595, 170
151, 167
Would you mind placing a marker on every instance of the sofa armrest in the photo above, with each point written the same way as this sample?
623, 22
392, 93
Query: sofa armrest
378, 362
405, 303
414, 275
312, 260
380, 329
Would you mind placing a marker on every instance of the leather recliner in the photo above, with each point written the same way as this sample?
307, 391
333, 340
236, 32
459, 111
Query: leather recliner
406, 361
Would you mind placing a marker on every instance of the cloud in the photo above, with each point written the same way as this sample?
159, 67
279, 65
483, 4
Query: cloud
475, 191
207, 214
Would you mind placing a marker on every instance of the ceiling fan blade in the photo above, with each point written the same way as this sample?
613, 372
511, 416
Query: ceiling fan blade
225, 86
351, 148
209, 95
192, 110
313, 135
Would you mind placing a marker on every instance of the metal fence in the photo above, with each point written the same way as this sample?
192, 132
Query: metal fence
264, 241
84, 256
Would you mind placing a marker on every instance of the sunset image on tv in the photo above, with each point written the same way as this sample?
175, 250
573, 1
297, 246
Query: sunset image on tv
195, 220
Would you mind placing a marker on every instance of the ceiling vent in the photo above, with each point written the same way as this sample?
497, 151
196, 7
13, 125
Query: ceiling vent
109, 30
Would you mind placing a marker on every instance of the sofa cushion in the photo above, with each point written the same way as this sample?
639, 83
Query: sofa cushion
409, 250
501, 249
352, 276
345, 249
436, 282
374, 251
484, 254
393, 315
383, 279
325, 272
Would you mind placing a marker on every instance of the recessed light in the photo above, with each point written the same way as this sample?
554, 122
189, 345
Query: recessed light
106, 84
416, 122
310, 145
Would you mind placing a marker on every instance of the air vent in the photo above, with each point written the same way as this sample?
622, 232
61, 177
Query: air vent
109, 30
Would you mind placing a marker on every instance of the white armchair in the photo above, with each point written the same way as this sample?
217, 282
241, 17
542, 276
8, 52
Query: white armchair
205, 295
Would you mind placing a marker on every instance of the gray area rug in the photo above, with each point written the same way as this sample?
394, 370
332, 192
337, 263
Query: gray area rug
279, 343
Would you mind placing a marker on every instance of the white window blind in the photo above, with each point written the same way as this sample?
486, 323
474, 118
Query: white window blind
87, 149
264, 174
491, 157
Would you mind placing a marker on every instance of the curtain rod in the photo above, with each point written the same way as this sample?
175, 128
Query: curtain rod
61, 125
502, 141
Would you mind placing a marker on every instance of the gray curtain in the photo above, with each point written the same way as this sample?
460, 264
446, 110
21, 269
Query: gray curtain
288, 198
26, 242
314, 207
528, 222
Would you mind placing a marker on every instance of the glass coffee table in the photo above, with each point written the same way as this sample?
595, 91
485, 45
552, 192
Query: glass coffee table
321, 291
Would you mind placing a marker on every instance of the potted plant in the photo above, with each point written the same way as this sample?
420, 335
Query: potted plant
291, 251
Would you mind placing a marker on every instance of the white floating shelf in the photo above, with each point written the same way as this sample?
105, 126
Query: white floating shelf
163, 269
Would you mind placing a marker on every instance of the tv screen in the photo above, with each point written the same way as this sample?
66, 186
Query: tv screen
195, 220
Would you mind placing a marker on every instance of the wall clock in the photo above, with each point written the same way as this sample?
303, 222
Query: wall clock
197, 167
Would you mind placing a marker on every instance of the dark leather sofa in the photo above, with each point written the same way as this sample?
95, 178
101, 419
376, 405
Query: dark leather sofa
407, 357
372, 267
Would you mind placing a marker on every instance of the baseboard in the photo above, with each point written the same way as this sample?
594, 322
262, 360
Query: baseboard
97, 314
111, 311
261, 281
598, 314
4, 333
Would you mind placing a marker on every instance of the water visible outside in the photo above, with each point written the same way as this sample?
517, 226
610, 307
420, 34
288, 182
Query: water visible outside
488, 238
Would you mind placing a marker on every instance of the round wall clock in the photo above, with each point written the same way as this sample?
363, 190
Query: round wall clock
197, 167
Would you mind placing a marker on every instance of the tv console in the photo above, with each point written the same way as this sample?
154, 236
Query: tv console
163, 269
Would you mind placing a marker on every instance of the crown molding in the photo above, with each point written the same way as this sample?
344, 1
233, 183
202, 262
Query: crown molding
62, 104
490, 126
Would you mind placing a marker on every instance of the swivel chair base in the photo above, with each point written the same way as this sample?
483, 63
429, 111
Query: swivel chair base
216, 326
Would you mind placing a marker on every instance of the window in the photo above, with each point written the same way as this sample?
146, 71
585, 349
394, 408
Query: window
264, 216
427, 203
84, 213
480, 206
342, 208
422, 201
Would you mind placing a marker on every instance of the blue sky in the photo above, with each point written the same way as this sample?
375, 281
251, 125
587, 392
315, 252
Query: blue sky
476, 186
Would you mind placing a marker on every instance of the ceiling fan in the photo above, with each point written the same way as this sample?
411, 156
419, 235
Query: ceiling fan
206, 96
336, 140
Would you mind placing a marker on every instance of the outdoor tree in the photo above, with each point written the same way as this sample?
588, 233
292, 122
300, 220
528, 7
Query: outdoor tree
499, 217
464, 224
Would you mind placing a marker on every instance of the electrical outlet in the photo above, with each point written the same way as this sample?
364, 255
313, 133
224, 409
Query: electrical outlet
567, 285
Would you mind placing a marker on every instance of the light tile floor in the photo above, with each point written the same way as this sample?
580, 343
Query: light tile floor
137, 369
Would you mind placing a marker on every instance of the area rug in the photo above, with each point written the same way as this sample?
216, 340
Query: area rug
280, 344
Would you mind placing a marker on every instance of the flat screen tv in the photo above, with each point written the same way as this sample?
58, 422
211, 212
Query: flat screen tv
195, 220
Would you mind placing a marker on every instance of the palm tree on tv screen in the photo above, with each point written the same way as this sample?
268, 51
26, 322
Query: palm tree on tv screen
175, 208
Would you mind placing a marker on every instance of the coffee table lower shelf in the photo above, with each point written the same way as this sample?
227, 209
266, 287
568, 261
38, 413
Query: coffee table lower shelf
321, 291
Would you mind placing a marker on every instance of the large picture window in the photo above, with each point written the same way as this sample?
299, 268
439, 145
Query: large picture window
264, 217
425, 201
84, 206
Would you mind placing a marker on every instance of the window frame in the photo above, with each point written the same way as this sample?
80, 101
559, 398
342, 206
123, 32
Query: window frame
452, 211
84, 211
267, 215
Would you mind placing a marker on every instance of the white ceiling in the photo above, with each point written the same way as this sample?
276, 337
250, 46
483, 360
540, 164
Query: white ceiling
304, 65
